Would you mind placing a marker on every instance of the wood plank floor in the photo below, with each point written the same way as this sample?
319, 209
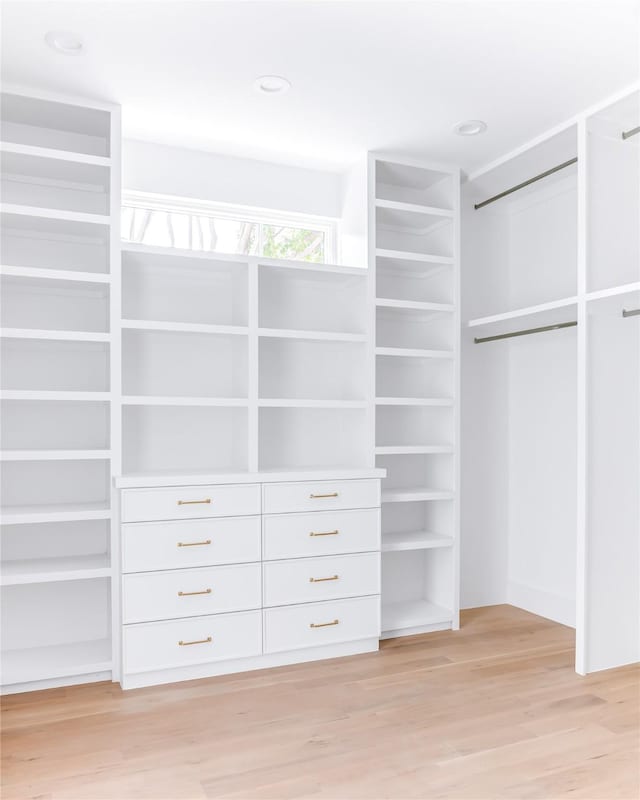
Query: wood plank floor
492, 711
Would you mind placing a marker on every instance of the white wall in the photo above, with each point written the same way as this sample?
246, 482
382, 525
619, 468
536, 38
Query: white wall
149, 167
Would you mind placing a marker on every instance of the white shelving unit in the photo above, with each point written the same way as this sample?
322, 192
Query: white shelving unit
557, 409
59, 343
238, 364
413, 246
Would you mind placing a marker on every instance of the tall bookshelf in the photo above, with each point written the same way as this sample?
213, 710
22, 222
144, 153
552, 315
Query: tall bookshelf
414, 263
60, 180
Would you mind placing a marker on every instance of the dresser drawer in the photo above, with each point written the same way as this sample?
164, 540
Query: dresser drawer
178, 643
193, 543
280, 498
320, 533
189, 592
316, 624
190, 502
308, 580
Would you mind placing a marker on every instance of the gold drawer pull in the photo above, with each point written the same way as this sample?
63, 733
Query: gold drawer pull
193, 544
318, 496
190, 594
324, 624
321, 580
207, 500
324, 533
196, 641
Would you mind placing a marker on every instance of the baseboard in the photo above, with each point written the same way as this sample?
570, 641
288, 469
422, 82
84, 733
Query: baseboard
550, 605
265, 661
55, 683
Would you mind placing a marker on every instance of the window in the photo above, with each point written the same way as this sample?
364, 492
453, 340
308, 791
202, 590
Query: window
221, 228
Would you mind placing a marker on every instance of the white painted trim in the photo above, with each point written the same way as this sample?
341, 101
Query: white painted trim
541, 602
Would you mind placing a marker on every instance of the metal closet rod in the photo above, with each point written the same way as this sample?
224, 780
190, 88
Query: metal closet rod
632, 132
539, 177
631, 312
526, 332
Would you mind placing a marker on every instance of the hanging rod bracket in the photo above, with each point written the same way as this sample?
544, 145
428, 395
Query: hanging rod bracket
497, 337
522, 185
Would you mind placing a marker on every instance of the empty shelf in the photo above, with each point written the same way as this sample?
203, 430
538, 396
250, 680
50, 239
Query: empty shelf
54, 455
47, 570
414, 495
414, 401
413, 305
405, 352
329, 336
54, 335
55, 274
59, 512
399, 450
55, 661
155, 400
413, 614
413, 540
183, 327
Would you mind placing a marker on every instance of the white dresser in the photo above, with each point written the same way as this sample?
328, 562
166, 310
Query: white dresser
237, 575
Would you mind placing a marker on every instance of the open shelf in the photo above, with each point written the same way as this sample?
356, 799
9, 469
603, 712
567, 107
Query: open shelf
320, 336
413, 184
55, 661
413, 540
315, 371
413, 305
50, 570
75, 130
184, 437
417, 209
414, 401
416, 494
168, 400
167, 363
52, 153
35, 273
413, 352
46, 365
424, 427
60, 512
408, 327
53, 214
184, 327
418, 449
43, 394
297, 302
53, 183
395, 254
413, 614
551, 313
198, 292
54, 455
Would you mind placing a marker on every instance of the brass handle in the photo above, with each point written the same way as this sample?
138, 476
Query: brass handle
195, 641
324, 624
324, 533
321, 580
190, 594
193, 544
318, 496
207, 500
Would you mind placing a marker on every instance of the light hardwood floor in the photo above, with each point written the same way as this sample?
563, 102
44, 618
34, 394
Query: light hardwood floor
492, 711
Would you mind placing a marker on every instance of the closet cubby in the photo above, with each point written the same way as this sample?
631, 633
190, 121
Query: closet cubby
308, 438
58, 278
324, 300
56, 630
54, 246
54, 365
37, 122
53, 305
54, 427
177, 364
613, 211
415, 185
414, 380
165, 286
524, 250
407, 327
417, 590
306, 369
415, 208
60, 184
413, 281
184, 438
53, 551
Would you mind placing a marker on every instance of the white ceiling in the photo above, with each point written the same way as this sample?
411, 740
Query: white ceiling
365, 75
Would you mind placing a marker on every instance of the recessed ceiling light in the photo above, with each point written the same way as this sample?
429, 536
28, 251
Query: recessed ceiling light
470, 127
271, 84
64, 42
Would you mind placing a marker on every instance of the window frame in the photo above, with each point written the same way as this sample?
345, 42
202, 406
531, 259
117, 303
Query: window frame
261, 216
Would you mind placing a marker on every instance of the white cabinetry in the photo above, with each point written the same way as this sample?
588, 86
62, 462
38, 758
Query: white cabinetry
202, 595
59, 282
